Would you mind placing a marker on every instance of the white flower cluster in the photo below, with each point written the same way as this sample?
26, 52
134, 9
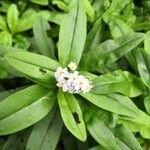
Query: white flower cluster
71, 81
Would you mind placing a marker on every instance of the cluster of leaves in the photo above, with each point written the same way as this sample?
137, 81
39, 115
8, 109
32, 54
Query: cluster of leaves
110, 43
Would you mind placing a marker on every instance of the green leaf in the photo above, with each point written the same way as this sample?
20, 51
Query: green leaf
89, 10
139, 124
104, 136
40, 2
12, 18
99, 126
142, 67
33, 66
3, 25
99, 147
94, 36
25, 23
72, 34
111, 50
44, 44
21, 99
126, 136
72, 115
16, 115
147, 104
46, 133
5, 38
17, 140
128, 84
6, 49
147, 43
61, 5
125, 105
118, 27
54, 17
3, 73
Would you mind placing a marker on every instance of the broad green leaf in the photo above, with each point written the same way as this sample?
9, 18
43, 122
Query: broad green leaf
142, 67
61, 5
126, 136
6, 49
12, 18
6, 93
142, 26
118, 27
27, 112
117, 6
25, 23
140, 124
5, 38
104, 136
3, 25
88, 75
20, 99
98, 124
72, 34
35, 59
111, 50
147, 43
72, 115
46, 133
147, 104
40, 2
94, 36
89, 10
3, 73
44, 44
17, 140
99, 147
54, 17
33, 66
112, 102
118, 81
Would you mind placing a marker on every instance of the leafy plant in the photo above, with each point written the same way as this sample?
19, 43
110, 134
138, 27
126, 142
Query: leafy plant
101, 39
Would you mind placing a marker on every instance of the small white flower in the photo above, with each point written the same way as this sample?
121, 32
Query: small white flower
71, 82
72, 77
82, 84
72, 66
61, 73
63, 85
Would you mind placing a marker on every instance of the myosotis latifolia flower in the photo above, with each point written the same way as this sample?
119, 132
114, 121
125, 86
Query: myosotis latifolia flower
72, 81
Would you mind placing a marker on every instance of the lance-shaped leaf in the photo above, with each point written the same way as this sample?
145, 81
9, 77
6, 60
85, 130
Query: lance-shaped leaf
17, 140
40, 2
5, 38
111, 50
12, 18
24, 108
72, 34
140, 124
118, 81
147, 104
72, 115
111, 138
126, 136
147, 43
44, 44
46, 133
104, 136
143, 67
6, 49
34, 66
112, 102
